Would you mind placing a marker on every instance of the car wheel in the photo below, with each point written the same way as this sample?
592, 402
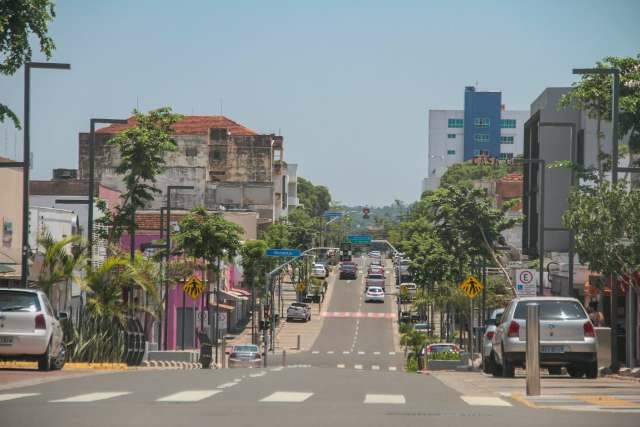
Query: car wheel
575, 372
496, 370
44, 363
487, 367
288, 319
555, 371
58, 362
592, 370
508, 370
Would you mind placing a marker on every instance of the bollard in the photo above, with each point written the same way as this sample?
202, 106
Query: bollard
298, 347
224, 353
284, 358
533, 350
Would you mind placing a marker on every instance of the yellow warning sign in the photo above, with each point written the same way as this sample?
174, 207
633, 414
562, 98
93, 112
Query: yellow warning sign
193, 287
471, 286
300, 287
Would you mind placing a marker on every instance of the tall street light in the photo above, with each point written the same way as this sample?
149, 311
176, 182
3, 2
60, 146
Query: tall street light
615, 94
24, 277
170, 188
92, 163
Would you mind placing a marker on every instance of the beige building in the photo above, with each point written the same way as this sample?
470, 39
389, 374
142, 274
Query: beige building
11, 223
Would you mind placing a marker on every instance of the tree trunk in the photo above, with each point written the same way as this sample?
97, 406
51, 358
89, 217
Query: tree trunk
599, 143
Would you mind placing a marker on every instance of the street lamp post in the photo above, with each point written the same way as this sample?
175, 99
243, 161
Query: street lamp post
26, 160
92, 163
167, 257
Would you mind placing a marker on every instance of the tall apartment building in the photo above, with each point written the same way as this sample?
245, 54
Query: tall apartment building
484, 127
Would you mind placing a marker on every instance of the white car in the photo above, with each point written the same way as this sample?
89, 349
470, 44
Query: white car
319, 270
29, 329
374, 294
487, 337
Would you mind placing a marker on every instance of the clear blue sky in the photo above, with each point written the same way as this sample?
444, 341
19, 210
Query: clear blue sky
347, 83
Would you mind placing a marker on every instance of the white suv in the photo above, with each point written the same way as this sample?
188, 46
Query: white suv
29, 329
567, 338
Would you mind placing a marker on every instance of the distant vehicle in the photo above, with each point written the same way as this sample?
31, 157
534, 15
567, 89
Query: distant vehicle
567, 338
319, 270
488, 336
425, 328
245, 356
298, 311
376, 269
443, 347
374, 294
30, 330
324, 265
347, 271
374, 279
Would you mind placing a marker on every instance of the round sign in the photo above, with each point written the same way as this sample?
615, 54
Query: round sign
526, 277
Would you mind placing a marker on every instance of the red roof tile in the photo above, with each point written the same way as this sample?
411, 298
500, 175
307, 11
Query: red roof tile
191, 125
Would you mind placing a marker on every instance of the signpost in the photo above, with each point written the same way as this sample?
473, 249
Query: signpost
526, 282
283, 252
359, 239
332, 214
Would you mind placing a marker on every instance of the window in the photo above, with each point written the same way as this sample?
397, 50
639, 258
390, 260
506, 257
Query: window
481, 137
508, 123
456, 123
506, 140
506, 156
451, 152
481, 122
553, 310
484, 152
476, 152
451, 135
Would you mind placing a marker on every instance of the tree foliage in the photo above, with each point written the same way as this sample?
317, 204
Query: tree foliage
254, 263
315, 199
19, 19
463, 174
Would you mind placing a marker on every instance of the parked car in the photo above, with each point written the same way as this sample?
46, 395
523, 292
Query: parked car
374, 294
319, 270
30, 330
245, 356
489, 332
374, 279
567, 338
347, 271
425, 328
298, 311
443, 347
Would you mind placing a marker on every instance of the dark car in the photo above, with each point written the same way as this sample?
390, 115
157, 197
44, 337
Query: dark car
348, 271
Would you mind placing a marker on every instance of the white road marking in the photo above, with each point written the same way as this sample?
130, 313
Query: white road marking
91, 397
393, 368
375, 367
346, 352
189, 396
259, 374
376, 353
315, 352
227, 385
287, 397
392, 353
393, 399
358, 366
279, 368
484, 401
330, 352
361, 353
12, 396
341, 366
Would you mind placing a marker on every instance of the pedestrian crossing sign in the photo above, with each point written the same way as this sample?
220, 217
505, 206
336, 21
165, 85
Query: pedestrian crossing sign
193, 287
471, 286
300, 287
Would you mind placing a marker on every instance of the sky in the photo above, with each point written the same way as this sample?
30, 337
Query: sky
347, 83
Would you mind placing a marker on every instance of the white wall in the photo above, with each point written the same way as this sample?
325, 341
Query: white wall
518, 133
439, 144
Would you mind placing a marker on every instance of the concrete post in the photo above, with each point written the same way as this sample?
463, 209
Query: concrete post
533, 350
298, 345
223, 353
284, 358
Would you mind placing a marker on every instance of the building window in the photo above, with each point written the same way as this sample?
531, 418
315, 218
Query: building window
505, 156
481, 122
484, 152
506, 140
451, 135
481, 137
476, 152
508, 123
456, 123
451, 152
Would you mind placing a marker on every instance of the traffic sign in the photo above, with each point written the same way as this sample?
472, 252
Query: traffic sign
332, 214
300, 287
283, 252
526, 282
193, 287
471, 286
359, 239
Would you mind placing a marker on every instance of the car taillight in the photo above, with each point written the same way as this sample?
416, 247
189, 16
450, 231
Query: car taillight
514, 329
456, 349
429, 350
588, 329
40, 322
489, 335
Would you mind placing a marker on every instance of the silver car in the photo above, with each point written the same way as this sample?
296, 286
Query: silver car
29, 329
567, 338
245, 356
487, 338
299, 311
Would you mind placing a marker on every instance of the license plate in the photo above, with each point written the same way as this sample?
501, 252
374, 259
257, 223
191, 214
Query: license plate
552, 349
6, 340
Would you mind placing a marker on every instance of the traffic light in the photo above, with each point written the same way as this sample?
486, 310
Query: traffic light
365, 213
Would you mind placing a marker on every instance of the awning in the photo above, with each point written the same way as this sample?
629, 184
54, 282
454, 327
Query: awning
234, 295
224, 307
241, 292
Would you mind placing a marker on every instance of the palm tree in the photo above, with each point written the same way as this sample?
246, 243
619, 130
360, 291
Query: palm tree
62, 260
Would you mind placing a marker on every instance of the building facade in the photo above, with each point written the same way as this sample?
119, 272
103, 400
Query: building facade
11, 223
483, 128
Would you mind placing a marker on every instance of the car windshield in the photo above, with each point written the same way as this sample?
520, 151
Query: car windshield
245, 349
19, 301
552, 310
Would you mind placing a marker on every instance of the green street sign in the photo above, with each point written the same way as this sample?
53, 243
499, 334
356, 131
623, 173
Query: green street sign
359, 239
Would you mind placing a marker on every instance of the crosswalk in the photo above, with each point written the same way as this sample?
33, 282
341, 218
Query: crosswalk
197, 396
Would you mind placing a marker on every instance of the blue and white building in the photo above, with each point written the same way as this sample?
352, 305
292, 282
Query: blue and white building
483, 127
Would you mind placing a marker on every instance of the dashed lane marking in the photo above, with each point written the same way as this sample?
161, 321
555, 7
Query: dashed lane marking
227, 385
13, 396
330, 352
393, 368
91, 397
358, 366
484, 401
389, 399
375, 367
341, 366
346, 352
392, 353
286, 397
376, 353
315, 352
189, 396
361, 353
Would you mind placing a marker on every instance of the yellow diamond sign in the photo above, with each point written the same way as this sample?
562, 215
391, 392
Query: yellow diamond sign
300, 287
193, 287
471, 286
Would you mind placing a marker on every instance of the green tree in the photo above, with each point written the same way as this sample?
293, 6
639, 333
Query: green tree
18, 20
142, 150
430, 261
277, 235
316, 199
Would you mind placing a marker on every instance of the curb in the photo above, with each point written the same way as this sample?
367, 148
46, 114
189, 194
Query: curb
69, 365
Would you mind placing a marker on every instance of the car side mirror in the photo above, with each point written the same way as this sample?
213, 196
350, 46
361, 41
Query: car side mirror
63, 315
